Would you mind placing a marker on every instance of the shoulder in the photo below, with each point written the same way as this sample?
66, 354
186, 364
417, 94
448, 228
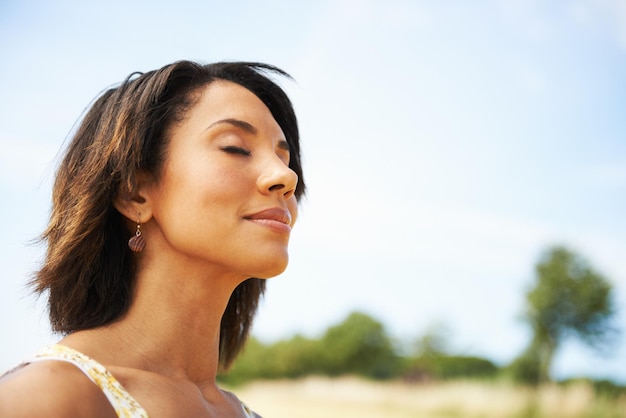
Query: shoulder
52, 389
238, 405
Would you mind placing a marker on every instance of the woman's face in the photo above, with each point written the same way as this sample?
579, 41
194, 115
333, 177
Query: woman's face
226, 194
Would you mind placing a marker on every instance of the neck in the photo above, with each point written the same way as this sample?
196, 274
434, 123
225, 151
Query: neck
172, 327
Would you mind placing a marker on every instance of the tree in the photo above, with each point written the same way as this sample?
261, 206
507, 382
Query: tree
432, 359
568, 299
434, 342
359, 345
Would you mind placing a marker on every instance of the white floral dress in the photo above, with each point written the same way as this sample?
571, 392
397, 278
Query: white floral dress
124, 404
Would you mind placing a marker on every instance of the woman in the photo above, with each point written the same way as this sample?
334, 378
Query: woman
175, 199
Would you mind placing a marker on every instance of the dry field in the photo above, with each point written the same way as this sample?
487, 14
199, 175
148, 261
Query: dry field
351, 397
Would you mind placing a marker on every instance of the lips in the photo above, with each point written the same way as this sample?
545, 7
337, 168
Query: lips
273, 217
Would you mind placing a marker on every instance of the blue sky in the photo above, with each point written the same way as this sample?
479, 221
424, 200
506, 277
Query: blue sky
446, 144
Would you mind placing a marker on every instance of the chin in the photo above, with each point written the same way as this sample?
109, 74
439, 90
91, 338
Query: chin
272, 270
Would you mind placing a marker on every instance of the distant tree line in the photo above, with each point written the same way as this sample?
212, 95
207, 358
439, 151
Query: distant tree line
567, 298
360, 345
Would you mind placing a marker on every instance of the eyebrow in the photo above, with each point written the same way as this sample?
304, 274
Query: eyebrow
245, 126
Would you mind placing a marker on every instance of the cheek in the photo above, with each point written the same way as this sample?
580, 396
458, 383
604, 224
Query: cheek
229, 178
292, 206
203, 181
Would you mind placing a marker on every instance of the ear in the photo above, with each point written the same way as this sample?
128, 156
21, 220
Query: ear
136, 205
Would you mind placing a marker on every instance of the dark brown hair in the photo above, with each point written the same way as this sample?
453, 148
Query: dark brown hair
88, 271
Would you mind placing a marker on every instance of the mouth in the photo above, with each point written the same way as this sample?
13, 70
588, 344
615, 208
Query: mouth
275, 218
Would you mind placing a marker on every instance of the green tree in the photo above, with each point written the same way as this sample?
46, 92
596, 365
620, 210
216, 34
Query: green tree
359, 345
296, 357
568, 299
433, 359
434, 342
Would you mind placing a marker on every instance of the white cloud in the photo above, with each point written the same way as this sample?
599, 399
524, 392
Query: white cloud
529, 17
610, 174
580, 12
364, 221
610, 14
619, 8
614, 13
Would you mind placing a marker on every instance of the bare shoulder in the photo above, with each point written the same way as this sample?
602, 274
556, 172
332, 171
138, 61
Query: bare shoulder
237, 404
51, 389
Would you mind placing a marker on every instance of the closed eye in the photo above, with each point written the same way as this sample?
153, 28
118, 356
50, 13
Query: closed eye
236, 150
284, 151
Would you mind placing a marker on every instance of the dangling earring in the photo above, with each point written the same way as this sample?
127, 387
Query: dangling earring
137, 243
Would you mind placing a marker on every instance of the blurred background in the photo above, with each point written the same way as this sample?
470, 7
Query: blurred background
447, 145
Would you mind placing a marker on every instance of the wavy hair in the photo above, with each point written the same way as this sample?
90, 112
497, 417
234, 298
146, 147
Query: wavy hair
88, 271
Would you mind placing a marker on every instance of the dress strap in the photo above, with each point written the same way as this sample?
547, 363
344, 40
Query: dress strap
249, 413
124, 404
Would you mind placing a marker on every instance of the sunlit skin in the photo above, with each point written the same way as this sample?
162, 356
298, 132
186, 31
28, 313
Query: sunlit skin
227, 162
220, 212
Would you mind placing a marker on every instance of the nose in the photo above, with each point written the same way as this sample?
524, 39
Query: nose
276, 177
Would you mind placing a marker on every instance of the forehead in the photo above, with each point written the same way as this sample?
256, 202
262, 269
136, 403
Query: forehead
227, 100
